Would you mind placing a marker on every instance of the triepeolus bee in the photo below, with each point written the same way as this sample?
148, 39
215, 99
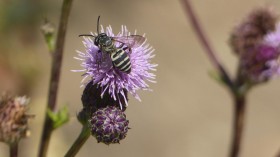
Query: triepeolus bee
119, 55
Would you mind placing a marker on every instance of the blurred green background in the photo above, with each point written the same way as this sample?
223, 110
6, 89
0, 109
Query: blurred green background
187, 114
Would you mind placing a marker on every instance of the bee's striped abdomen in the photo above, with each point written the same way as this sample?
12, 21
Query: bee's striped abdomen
121, 61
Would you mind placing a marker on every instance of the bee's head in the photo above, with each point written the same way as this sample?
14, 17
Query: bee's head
102, 40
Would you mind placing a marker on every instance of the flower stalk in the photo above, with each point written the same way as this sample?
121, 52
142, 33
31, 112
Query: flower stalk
206, 45
237, 88
278, 154
14, 149
238, 125
55, 75
79, 142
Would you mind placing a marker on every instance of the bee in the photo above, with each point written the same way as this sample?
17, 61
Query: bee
119, 55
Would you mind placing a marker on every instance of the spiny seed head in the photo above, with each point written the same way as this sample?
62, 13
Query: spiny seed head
109, 125
13, 118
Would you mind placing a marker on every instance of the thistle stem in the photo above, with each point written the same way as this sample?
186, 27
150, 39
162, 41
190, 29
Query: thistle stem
238, 125
84, 135
206, 45
278, 154
55, 75
239, 105
14, 149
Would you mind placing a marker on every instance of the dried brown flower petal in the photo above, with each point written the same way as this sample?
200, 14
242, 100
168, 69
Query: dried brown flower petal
13, 118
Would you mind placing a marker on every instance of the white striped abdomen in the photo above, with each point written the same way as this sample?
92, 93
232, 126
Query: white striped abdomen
121, 61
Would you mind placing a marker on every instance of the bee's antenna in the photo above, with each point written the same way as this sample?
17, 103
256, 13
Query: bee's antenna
87, 35
98, 24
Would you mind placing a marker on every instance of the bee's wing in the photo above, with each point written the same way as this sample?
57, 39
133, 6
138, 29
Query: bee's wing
132, 41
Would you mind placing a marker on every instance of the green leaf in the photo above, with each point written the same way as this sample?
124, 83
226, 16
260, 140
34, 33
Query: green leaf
59, 118
215, 75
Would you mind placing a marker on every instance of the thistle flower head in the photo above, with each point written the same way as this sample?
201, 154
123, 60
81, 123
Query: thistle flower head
256, 45
97, 66
13, 119
109, 125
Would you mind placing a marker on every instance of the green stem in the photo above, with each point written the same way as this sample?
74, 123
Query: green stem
14, 149
238, 125
77, 145
55, 75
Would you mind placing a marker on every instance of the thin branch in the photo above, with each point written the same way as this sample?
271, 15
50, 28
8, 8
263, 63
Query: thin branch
205, 43
234, 87
55, 75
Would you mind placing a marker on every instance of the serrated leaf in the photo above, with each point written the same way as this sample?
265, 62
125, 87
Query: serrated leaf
59, 118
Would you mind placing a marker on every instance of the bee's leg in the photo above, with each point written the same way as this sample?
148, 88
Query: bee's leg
125, 48
129, 49
99, 59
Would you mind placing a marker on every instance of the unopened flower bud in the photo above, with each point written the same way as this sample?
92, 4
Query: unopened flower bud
93, 98
109, 125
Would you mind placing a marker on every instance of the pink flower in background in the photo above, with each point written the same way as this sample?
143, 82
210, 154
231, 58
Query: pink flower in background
256, 42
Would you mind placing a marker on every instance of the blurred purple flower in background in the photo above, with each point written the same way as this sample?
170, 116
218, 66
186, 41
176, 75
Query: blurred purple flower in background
99, 68
272, 39
256, 42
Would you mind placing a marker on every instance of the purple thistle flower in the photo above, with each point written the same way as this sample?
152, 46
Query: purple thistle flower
256, 42
99, 68
273, 40
255, 62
